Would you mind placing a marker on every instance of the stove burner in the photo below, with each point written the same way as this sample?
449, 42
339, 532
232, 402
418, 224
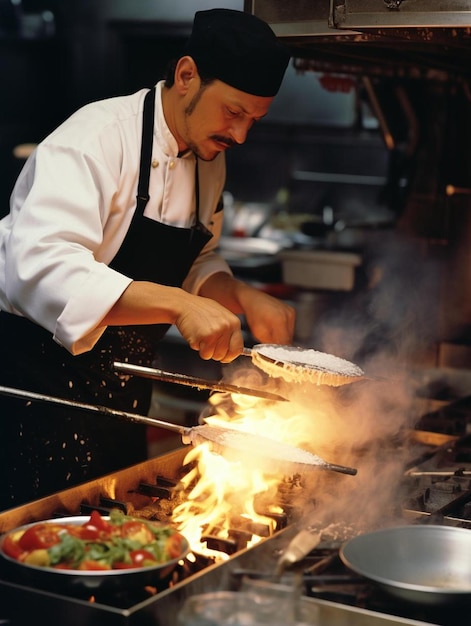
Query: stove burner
104, 508
156, 490
437, 488
451, 419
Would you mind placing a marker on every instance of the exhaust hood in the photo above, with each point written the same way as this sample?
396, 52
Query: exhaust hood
385, 36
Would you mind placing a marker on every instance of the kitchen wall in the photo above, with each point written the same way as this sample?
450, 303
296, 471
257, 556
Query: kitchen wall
56, 55
321, 146
103, 48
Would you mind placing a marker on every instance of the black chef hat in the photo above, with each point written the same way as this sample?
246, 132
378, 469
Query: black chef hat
239, 49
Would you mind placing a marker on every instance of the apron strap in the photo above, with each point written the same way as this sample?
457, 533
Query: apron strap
197, 191
147, 141
146, 151
198, 226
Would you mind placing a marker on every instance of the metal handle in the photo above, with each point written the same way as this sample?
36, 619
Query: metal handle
297, 549
193, 381
340, 468
217, 436
103, 410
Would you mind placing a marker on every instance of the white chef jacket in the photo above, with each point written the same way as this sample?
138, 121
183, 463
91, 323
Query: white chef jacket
72, 206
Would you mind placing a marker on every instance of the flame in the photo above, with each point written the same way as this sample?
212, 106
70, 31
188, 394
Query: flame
221, 490
291, 422
347, 426
109, 487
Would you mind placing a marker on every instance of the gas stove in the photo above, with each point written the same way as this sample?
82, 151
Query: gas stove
435, 487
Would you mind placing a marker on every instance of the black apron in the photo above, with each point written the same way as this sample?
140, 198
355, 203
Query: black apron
44, 448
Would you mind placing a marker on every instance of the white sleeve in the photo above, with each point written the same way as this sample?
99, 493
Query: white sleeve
53, 277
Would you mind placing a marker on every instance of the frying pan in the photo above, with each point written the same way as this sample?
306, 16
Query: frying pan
423, 564
262, 452
87, 580
295, 364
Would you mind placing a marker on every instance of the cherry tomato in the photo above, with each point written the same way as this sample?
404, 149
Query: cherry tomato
12, 549
87, 532
139, 558
39, 536
93, 529
142, 558
174, 545
138, 531
99, 522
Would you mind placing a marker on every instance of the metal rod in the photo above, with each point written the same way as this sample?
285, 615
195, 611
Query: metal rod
103, 410
340, 468
444, 473
193, 381
375, 105
342, 179
273, 454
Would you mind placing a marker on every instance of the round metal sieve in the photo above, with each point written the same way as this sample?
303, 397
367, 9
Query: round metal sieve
301, 365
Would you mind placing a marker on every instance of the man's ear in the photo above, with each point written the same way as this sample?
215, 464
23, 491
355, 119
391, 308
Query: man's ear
185, 72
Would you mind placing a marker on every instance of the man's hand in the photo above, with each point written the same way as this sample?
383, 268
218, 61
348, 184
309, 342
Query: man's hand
270, 320
208, 322
210, 329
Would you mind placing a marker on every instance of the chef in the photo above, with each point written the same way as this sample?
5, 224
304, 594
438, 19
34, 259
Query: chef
111, 238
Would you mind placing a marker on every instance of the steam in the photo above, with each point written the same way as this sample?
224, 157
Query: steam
386, 329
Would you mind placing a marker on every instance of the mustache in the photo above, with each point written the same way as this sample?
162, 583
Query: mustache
227, 141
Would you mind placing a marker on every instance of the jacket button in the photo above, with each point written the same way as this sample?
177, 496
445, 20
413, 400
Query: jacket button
172, 165
155, 163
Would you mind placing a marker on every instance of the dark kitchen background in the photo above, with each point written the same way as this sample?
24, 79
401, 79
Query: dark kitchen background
352, 197
352, 201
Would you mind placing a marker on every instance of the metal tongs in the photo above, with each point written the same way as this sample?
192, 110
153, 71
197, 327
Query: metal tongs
263, 453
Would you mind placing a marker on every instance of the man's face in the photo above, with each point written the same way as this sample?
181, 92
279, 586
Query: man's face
217, 116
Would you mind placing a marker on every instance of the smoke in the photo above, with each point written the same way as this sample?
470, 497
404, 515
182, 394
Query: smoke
395, 317
387, 329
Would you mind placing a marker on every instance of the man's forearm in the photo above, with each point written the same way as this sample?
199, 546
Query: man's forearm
146, 303
225, 289
204, 323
